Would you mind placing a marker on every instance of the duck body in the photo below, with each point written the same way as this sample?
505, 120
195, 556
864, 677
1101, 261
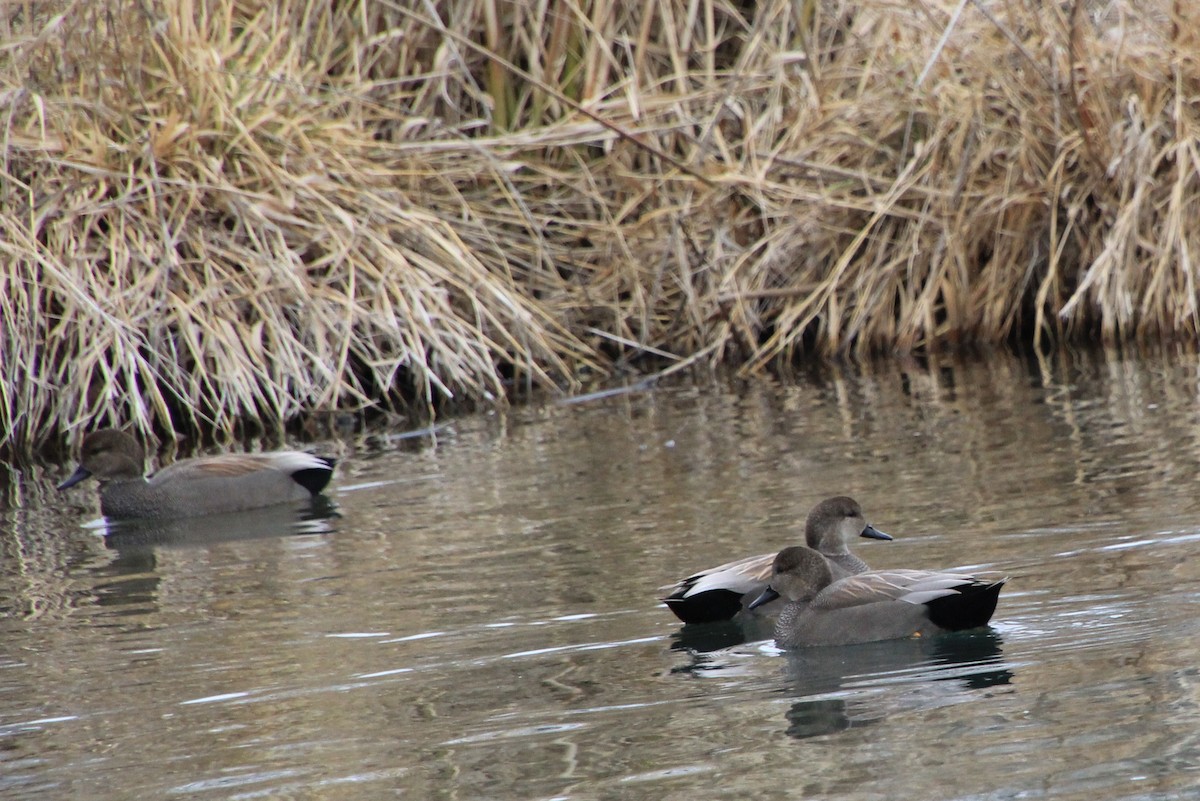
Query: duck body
723, 592
191, 487
872, 606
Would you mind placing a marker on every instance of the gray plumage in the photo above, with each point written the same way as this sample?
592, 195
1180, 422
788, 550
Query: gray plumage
200, 486
871, 606
722, 592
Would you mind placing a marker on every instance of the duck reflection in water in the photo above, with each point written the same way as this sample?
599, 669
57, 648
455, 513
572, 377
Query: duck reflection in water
314, 516
705, 638
852, 686
131, 578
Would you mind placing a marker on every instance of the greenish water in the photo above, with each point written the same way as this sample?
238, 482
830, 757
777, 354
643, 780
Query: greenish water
481, 620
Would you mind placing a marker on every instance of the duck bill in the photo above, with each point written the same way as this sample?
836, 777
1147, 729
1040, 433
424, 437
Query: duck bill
767, 596
76, 477
872, 533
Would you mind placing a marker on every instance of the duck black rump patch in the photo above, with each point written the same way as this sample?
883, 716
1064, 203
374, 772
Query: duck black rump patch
972, 607
315, 479
710, 606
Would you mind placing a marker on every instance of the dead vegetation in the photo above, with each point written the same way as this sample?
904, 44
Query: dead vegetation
220, 210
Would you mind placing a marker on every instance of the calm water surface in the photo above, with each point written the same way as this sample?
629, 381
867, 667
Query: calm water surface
481, 620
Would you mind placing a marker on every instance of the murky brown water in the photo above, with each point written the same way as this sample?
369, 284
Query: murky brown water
482, 620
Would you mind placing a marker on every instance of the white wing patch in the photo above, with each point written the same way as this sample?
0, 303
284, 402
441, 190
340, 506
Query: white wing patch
743, 576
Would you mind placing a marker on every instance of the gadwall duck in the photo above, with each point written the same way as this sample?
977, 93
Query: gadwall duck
201, 486
720, 593
872, 606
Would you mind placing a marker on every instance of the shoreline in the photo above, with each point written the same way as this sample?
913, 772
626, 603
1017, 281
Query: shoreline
215, 226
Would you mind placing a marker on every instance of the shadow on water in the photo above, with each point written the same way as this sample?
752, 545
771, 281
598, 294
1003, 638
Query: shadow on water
844, 687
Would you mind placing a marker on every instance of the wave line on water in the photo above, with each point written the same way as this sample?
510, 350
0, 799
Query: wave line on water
506, 734
33, 725
214, 699
595, 646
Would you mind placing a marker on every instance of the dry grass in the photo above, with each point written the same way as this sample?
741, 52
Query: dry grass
227, 210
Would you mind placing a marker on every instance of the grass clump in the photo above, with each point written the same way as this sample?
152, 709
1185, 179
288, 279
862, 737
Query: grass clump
215, 210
